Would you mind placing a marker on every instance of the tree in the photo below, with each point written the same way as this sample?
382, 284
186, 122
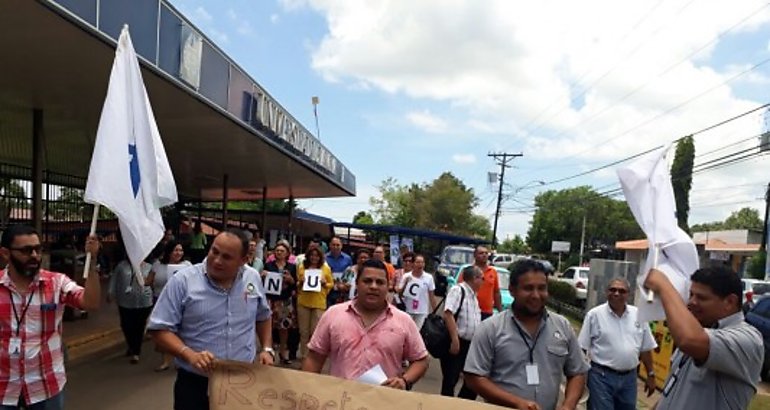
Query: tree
745, 218
445, 204
681, 179
559, 217
756, 268
13, 197
363, 218
515, 245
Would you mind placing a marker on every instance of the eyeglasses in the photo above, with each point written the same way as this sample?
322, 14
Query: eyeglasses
617, 290
27, 250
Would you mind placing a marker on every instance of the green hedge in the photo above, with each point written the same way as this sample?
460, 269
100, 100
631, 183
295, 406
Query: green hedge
562, 291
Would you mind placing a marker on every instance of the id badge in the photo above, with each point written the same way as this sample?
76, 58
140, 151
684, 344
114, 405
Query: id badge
533, 375
14, 346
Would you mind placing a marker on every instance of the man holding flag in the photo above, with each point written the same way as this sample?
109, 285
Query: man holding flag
719, 356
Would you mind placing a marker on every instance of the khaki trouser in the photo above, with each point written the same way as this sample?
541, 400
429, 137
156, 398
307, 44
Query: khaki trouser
307, 320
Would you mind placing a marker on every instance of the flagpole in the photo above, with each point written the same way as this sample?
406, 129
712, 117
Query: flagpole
650, 293
94, 219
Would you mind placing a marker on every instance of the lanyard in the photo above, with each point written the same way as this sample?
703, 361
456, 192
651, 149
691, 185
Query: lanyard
24, 308
524, 337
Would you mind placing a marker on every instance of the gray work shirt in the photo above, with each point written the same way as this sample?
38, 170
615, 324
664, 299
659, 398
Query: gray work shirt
727, 379
500, 353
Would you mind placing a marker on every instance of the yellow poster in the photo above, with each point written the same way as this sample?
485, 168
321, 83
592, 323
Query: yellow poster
661, 357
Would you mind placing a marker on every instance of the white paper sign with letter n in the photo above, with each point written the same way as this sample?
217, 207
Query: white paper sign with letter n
273, 283
312, 280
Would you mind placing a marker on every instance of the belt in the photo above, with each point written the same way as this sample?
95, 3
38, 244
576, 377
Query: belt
611, 370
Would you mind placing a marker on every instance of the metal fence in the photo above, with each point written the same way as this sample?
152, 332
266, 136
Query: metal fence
63, 205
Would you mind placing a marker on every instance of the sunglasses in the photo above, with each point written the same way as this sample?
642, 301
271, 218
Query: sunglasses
618, 290
27, 250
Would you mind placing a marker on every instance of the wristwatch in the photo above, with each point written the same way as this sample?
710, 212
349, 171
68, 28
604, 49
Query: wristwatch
269, 350
407, 385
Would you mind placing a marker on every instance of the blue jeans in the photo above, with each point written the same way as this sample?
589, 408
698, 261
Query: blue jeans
53, 403
609, 390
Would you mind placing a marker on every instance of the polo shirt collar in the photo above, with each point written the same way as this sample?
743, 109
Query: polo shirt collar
388, 312
730, 321
468, 288
612, 312
543, 322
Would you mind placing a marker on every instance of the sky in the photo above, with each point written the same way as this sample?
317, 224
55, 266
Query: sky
412, 89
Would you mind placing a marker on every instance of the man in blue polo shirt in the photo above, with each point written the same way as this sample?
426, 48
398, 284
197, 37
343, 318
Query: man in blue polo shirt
339, 262
212, 311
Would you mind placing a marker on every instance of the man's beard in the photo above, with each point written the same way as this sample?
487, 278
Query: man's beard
522, 310
28, 269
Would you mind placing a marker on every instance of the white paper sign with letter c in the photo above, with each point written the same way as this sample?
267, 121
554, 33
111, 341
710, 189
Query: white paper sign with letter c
273, 283
312, 280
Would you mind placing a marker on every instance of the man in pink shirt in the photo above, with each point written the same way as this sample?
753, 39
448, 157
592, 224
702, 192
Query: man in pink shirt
368, 331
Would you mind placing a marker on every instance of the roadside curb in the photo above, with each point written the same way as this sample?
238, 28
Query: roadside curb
92, 346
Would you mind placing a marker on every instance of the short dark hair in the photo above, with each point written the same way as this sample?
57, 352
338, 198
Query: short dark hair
721, 280
471, 272
362, 251
522, 267
13, 231
375, 264
481, 245
241, 235
408, 255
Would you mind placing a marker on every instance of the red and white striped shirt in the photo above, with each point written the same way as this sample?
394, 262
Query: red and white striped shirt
31, 358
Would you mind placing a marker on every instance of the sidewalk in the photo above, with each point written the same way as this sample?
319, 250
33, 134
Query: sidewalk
97, 334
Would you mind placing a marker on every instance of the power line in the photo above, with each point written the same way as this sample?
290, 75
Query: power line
502, 159
703, 130
664, 72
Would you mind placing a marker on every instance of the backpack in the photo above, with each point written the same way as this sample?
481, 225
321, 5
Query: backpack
434, 331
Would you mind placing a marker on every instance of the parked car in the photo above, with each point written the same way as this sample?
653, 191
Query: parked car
577, 277
759, 317
503, 276
450, 260
758, 290
502, 260
747, 287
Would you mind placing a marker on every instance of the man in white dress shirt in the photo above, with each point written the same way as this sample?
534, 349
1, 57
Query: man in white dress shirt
615, 341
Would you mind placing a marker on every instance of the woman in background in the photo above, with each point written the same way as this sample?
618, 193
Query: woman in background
170, 261
311, 305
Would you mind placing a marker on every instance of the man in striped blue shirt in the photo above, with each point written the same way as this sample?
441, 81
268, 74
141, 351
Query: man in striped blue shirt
212, 311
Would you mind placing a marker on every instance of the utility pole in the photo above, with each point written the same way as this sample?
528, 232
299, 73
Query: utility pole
501, 159
765, 232
582, 241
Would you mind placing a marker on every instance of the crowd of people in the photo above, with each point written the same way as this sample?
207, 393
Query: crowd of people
361, 312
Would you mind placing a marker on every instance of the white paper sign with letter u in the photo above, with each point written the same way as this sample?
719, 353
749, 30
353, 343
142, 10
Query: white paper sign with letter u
312, 280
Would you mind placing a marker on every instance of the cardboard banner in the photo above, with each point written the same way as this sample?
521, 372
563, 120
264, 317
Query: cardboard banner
273, 283
243, 386
312, 280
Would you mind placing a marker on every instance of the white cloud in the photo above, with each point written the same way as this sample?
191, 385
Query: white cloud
646, 75
274, 18
464, 159
202, 15
427, 122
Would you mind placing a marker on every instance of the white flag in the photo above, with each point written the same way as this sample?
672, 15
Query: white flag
647, 186
129, 171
